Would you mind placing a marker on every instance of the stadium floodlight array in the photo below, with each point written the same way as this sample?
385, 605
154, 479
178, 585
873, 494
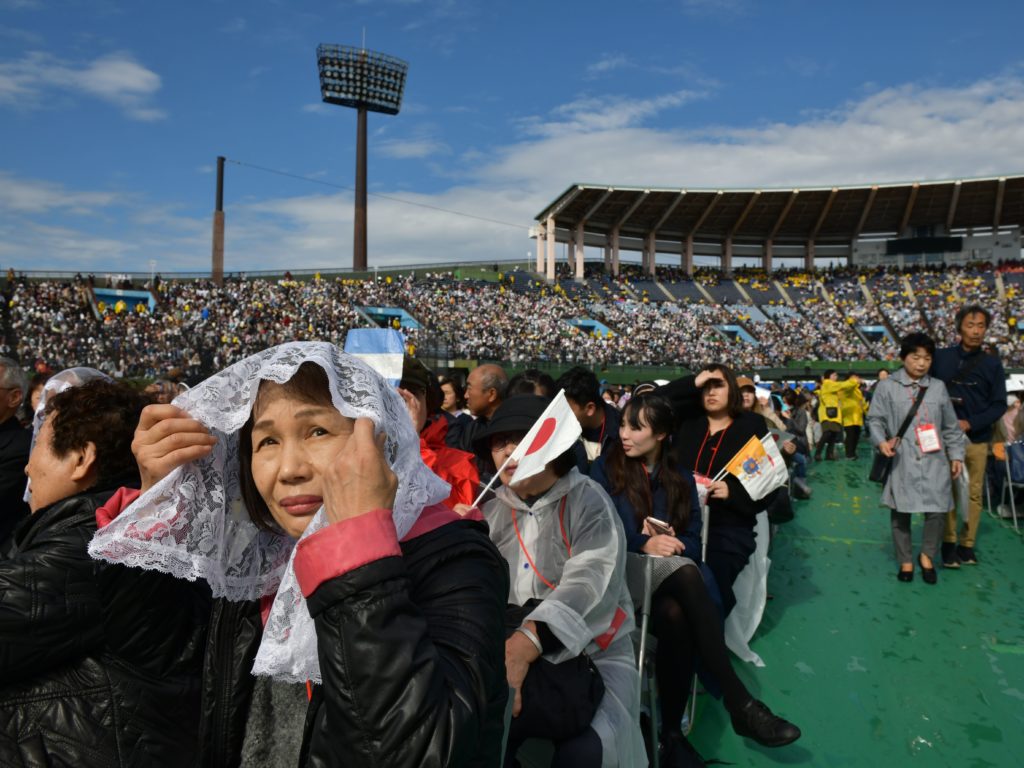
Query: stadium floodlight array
367, 81
362, 79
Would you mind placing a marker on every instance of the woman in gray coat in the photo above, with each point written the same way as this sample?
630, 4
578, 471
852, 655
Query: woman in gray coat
925, 461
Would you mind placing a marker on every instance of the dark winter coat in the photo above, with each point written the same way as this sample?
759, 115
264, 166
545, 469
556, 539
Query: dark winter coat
100, 664
411, 654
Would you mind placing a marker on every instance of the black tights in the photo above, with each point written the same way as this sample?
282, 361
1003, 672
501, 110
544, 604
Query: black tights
583, 751
687, 624
851, 436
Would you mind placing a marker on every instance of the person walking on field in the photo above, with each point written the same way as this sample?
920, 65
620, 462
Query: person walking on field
852, 407
830, 413
925, 460
977, 386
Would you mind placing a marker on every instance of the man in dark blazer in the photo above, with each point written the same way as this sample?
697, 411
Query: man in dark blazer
977, 386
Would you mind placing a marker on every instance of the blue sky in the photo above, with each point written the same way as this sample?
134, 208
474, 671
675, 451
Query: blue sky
112, 115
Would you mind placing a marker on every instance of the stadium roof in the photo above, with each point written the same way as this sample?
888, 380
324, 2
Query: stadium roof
817, 214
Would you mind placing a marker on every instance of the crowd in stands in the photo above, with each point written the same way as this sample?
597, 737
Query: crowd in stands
273, 535
196, 327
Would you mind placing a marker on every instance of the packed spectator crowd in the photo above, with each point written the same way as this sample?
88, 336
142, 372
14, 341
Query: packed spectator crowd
273, 535
196, 327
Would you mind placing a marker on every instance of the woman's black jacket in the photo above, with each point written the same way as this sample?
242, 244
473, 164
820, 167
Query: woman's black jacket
411, 654
100, 664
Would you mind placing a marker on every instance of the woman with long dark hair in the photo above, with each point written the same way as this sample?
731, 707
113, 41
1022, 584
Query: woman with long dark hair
646, 479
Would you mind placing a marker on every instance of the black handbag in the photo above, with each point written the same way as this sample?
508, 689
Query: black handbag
881, 465
559, 700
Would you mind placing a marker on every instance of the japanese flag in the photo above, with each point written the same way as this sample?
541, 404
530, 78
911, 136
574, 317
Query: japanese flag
553, 434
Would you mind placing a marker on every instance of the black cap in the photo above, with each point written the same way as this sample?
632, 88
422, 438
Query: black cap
517, 414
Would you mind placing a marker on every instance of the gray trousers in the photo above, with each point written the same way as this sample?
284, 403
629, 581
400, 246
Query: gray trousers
934, 524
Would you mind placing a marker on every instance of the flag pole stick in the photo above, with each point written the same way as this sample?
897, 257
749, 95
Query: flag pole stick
491, 481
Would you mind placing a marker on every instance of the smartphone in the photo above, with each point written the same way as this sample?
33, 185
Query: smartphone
659, 526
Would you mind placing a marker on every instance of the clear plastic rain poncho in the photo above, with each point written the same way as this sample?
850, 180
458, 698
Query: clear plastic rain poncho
193, 524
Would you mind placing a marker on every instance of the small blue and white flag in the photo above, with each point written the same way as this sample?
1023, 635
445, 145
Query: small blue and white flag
383, 349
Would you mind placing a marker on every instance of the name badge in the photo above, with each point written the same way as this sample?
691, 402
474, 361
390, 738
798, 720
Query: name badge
928, 438
703, 483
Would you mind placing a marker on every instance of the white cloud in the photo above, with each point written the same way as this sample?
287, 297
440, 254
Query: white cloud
409, 149
116, 78
901, 133
608, 63
33, 196
317, 108
589, 114
235, 26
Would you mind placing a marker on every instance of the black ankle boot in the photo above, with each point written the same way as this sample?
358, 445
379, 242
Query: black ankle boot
755, 721
677, 752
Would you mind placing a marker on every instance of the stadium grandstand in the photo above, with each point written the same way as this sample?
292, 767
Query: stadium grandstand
899, 257
895, 225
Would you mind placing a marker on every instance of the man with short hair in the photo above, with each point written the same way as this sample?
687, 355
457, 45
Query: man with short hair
486, 387
976, 383
598, 419
15, 442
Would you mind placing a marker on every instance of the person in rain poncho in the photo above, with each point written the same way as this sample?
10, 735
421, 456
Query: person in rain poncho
389, 608
566, 554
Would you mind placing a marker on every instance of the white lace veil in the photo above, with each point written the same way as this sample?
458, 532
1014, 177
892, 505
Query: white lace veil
192, 524
66, 379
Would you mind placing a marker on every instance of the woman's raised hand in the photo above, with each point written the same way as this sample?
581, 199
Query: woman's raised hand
166, 438
359, 479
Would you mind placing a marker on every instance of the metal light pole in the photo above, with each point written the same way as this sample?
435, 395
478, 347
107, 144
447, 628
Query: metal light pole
217, 270
369, 82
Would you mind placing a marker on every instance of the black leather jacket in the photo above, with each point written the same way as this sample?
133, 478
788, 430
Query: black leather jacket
412, 654
99, 664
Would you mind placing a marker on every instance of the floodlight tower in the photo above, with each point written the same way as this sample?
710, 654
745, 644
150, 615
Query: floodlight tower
369, 82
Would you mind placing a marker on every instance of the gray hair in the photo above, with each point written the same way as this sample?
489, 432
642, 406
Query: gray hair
13, 375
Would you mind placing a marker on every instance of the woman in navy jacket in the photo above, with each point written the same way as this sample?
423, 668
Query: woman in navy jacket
646, 479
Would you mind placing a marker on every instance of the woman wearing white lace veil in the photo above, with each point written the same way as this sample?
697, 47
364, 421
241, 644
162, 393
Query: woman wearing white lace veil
389, 601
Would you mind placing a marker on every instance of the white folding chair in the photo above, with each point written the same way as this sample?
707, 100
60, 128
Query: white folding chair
1013, 449
639, 578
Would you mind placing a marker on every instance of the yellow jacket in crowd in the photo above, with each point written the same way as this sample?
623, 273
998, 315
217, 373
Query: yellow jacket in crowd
852, 406
829, 404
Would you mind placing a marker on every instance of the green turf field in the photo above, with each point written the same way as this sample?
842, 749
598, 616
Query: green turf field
877, 672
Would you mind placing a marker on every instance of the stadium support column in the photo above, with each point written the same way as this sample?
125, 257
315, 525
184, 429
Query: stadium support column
650, 248
578, 243
727, 257
687, 260
217, 267
766, 258
809, 257
549, 266
615, 252
540, 251
607, 257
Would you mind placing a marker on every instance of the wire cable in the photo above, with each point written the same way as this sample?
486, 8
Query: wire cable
375, 194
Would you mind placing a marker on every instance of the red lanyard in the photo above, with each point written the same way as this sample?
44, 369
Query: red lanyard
714, 451
565, 538
927, 415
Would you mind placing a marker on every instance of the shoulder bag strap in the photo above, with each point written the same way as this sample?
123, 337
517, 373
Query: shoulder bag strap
913, 412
